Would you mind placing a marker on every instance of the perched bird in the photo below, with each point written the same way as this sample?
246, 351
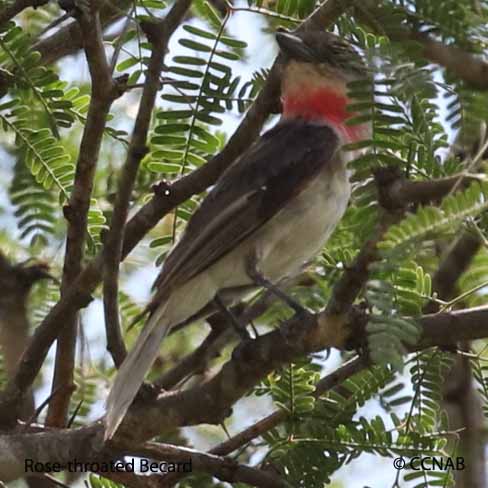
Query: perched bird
269, 213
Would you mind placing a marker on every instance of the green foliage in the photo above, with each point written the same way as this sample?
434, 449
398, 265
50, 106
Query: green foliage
298, 9
292, 388
202, 481
450, 19
412, 288
46, 158
96, 223
393, 306
388, 331
128, 309
405, 132
437, 220
43, 298
35, 82
328, 437
476, 278
96, 481
427, 370
422, 479
36, 209
205, 88
479, 368
339, 405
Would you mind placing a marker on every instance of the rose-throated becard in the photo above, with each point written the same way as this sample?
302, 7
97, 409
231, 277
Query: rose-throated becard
269, 213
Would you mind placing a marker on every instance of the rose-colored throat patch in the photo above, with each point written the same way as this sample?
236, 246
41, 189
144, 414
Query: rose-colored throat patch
322, 104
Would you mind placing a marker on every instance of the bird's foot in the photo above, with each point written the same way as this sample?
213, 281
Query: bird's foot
260, 280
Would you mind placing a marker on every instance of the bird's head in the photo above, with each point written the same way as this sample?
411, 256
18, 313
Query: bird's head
317, 67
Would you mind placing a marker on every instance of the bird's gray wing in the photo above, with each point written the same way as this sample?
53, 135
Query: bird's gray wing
252, 190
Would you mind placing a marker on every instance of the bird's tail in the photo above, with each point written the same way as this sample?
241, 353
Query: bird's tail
131, 374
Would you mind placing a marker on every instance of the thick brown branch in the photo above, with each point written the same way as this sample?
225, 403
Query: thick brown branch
456, 261
446, 329
56, 445
211, 401
16, 282
465, 66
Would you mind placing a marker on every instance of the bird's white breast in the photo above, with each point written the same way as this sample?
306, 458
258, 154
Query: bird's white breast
299, 231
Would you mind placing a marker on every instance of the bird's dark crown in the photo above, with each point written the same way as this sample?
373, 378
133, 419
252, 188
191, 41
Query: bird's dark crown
323, 48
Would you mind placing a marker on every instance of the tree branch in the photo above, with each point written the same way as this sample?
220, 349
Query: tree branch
158, 34
272, 420
462, 64
211, 401
452, 266
404, 192
252, 361
16, 282
68, 40
197, 359
103, 92
225, 469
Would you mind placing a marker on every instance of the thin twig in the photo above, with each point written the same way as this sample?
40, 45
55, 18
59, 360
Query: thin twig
40, 408
74, 414
119, 42
159, 35
225, 469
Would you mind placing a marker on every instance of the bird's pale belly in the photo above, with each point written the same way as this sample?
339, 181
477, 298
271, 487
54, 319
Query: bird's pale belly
293, 236
300, 230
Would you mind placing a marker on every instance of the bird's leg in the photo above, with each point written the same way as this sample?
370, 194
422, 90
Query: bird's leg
239, 328
260, 280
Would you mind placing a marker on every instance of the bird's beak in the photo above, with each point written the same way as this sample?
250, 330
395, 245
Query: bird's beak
294, 47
